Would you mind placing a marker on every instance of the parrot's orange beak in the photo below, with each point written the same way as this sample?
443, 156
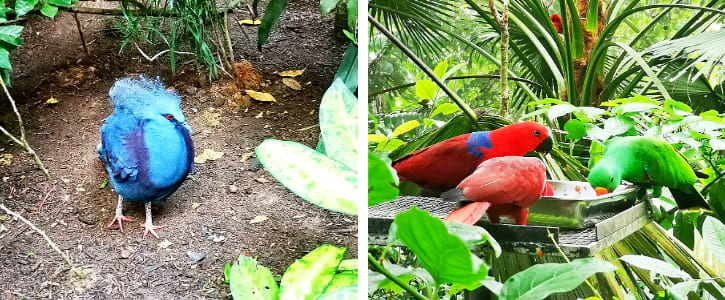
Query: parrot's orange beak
600, 191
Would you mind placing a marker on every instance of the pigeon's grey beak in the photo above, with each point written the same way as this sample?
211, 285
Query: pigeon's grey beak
545, 146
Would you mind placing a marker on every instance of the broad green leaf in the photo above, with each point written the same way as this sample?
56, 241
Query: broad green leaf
23, 7
575, 129
560, 110
594, 132
269, 20
577, 36
473, 235
10, 34
352, 15
618, 125
249, 280
405, 127
377, 138
310, 175
444, 255
540, 281
592, 16
493, 286
445, 108
338, 124
406, 274
326, 6
382, 179
440, 69
308, 277
717, 144
672, 106
342, 280
5, 59
654, 265
713, 234
61, 3
48, 10
346, 293
347, 72
425, 89
390, 145
684, 227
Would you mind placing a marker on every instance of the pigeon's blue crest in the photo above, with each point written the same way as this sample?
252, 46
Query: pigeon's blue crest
146, 145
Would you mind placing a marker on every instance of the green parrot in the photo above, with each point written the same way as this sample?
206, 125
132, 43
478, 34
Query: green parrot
647, 161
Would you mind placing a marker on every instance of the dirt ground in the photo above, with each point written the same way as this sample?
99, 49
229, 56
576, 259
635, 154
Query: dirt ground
208, 216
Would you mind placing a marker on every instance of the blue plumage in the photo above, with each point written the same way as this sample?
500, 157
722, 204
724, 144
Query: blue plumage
477, 140
146, 146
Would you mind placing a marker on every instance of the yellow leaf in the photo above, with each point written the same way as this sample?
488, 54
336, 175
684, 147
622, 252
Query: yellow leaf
258, 219
377, 138
208, 154
6, 159
291, 83
51, 100
291, 73
405, 127
259, 96
250, 22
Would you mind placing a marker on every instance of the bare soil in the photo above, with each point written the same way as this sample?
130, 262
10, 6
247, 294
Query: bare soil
208, 216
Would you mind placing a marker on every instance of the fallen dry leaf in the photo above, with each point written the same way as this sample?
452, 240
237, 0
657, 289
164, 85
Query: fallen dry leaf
259, 96
291, 83
260, 115
291, 73
51, 100
208, 154
195, 205
250, 22
246, 156
261, 180
211, 118
258, 219
6, 159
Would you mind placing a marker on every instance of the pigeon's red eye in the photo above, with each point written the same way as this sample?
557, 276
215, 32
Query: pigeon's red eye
169, 117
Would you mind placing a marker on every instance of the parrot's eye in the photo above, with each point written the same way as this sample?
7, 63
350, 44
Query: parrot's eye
611, 179
169, 117
537, 133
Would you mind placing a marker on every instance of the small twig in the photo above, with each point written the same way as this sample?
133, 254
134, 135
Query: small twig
80, 31
55, 247
566, 259
393, 278
42, 202
157, 54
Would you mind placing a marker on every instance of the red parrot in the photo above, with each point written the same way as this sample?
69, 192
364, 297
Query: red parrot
556, 21
505, 186
444, 165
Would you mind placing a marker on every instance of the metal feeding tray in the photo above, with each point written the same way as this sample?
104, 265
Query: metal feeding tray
575, 205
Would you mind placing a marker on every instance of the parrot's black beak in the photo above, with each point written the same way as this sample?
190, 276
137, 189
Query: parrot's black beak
545, 146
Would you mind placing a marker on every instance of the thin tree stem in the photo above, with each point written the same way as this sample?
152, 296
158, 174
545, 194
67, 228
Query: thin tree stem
80, 31
32, 226
393, 278
427, 70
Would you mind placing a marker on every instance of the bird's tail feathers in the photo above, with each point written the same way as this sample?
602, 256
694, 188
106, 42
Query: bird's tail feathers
469, 214
454, 195
688, 197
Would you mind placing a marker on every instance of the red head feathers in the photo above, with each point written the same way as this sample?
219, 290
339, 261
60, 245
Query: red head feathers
556, 21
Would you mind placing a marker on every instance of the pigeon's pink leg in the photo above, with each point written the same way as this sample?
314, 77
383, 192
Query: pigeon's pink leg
149, 227
120, 218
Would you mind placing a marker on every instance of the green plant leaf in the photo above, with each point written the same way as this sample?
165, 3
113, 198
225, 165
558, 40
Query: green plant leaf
592, 16
10, 35
382, 179
618, 125
347, 72
61, 3
575, 129
473, 235
22, 7
338, 124
680, 290
352, 15
654, 265
445, 256
405, 127
379, 281
540, 281
342, 280
269, 20
249, 280
560, 110
308, 277
425, 89
48, 10
345, 293
440, 69
326, 6
713, 234
5, 59
684, 228
446, 109
310, 175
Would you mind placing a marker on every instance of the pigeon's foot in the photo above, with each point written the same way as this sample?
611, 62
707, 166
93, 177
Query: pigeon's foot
149, 227
120, 218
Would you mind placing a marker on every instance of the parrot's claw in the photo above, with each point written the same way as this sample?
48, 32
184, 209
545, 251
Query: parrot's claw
120, 219
151, 229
